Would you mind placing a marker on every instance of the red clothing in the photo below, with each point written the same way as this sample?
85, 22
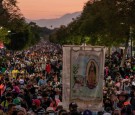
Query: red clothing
106, 71
2, 89
48, 68
16, 89
55, 105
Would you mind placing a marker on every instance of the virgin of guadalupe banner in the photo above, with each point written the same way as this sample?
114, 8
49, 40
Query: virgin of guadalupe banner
83, 71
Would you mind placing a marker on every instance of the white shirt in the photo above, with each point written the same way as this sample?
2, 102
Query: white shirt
21, 81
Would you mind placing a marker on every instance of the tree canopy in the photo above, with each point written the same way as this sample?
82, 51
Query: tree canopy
21, 34
104, 22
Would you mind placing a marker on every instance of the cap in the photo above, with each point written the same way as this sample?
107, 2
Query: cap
126, 103
127, 77
17, 101
36, 102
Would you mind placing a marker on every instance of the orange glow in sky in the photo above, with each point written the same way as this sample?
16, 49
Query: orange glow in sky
39, 9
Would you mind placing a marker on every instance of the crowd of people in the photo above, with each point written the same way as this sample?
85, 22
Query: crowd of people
31, 83
119, 86
30, 80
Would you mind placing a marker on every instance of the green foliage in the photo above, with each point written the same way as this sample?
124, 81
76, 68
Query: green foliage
17, 41
104, 22
9, 12
66, 35
59, 35
4, 35
22, 35
108, 24
23, 39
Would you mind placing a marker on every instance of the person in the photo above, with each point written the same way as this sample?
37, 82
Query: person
73, 109
16, 88
50, 111
21, 111
54, 103
108, 111
132, 102
42, 81
60, 106
87, 112
63, 112
14, 73
11, 109
48, 69
91, 80
36, 107
6, 102
21, 82
16, 100
2, 88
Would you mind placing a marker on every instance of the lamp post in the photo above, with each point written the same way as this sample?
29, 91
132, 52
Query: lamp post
131, 32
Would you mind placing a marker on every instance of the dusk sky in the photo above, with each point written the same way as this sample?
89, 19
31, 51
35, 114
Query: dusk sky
39, 9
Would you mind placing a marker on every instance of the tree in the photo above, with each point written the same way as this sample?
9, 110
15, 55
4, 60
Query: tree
106, 22
23, 39
3, 35
9, 12
22, 35
10, 19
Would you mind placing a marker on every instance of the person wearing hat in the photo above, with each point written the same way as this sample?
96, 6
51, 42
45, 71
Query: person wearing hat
16, 99
21, 111
126, 109
36, 107
50, 110
73, 109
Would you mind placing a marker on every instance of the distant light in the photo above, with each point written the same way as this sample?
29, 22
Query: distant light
122, 23
9, 31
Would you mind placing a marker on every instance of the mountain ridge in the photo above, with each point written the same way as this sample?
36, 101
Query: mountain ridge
56, 22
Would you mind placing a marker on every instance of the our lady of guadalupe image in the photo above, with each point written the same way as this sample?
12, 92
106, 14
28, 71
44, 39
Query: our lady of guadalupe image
91, 74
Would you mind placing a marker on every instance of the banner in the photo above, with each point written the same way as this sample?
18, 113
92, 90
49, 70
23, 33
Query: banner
83, 73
